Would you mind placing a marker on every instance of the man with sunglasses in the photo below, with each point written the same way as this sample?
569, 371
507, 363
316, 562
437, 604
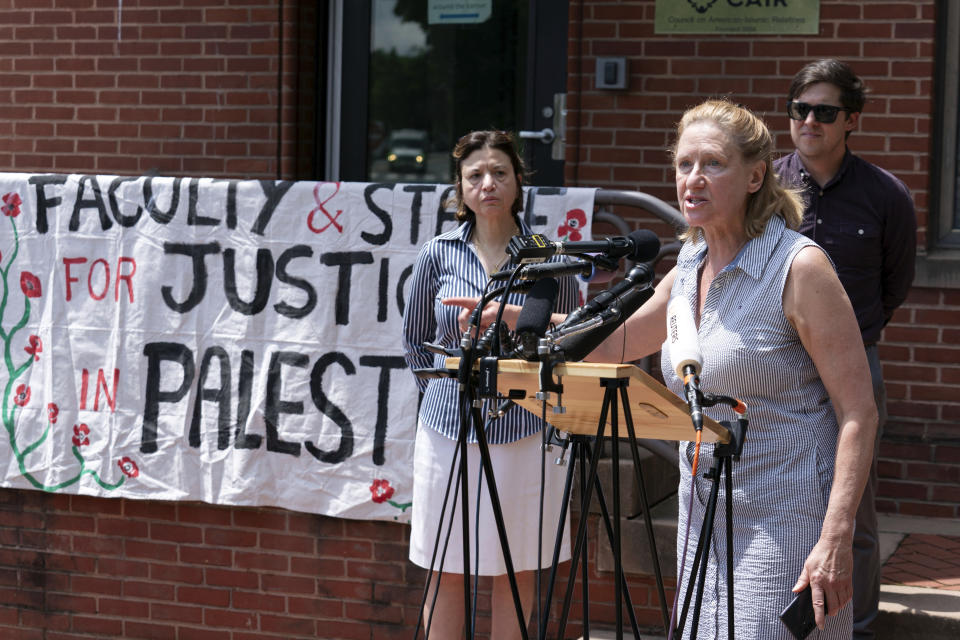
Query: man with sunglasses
864, 218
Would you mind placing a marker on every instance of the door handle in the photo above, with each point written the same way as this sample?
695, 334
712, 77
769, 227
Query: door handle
546, 135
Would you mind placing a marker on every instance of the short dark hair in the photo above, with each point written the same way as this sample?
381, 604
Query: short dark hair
853, 93
501, 140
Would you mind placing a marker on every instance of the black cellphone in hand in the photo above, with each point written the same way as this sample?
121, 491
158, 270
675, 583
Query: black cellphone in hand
798, 616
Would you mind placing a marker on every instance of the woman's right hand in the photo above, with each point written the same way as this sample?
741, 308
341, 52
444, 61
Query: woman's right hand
488, 316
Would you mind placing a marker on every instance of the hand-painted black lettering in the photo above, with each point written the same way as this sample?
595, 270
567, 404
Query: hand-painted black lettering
345, 260
384, 236
385, 363
345, 449
528, 216
444, 216
96, 202
231, 201
244, 391
161, 217
401, 299
193, 216
199, 289
274, 406
43, 202
382, 289
288, 310
122, 220
264, 278
274, 190
415, 208
220, 395
157, 353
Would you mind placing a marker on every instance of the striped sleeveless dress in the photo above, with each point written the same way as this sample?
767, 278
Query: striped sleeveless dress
782, 482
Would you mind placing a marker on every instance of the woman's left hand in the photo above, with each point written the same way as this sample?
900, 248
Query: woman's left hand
828, 570
468, 304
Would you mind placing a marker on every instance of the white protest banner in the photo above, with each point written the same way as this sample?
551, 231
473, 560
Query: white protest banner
233, 342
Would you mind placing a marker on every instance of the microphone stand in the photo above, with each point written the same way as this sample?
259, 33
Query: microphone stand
724, 454
615, 388
469, 413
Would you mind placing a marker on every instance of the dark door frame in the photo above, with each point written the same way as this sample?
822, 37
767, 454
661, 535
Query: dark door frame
546, 64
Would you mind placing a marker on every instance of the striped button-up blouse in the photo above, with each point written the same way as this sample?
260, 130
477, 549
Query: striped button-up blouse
447, 266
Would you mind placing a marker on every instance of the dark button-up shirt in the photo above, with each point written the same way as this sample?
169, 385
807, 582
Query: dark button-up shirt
865, 220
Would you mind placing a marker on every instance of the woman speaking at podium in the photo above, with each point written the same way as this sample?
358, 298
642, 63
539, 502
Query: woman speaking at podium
457, 264
777, 331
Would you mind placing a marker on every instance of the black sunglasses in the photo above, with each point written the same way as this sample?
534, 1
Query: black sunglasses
825, 113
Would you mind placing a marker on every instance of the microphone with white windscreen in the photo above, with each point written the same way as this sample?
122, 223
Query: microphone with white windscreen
685, 354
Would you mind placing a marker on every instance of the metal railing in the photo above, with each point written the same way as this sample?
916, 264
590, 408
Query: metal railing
651, 204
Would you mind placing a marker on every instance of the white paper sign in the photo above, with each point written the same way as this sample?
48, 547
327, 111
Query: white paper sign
459, 11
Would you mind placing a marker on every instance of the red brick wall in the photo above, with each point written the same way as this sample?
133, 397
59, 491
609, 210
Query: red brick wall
177, 87
623, 136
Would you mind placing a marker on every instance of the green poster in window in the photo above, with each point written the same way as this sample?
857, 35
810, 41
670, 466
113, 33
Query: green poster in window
738, 16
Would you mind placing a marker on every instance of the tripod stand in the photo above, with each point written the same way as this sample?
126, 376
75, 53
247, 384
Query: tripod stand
588, 482
585, 387
470, 414
724, 455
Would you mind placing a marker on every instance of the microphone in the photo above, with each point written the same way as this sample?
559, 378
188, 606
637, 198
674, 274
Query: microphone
599, 269
685, 355
638, 276
534, 317
519, 287
641, 245
582, 268
578, 340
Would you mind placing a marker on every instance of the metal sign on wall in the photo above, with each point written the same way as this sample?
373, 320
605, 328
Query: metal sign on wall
738, 16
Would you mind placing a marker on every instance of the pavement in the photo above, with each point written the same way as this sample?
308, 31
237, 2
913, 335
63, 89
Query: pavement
920, 580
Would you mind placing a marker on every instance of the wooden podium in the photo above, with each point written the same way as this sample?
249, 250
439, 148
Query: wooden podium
658, 413
593, 397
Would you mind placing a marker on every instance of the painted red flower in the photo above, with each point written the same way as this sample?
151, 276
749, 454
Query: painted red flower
129, 467
80, 433
576, 220
35, 347
30, 285
11, 204
381, 490
22, 396
52, 412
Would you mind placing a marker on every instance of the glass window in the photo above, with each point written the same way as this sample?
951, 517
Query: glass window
435, 76
939, 266
945, 214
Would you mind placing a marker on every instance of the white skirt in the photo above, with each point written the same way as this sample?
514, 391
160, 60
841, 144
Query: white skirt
516, 469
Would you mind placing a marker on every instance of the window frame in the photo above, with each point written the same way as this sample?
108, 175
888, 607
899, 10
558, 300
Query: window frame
939, 265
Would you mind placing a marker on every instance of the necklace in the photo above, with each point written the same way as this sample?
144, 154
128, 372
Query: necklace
491, 255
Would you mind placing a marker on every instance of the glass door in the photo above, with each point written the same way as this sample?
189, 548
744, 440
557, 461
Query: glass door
418, 74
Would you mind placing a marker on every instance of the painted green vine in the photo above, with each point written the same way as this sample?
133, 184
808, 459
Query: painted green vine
15, 398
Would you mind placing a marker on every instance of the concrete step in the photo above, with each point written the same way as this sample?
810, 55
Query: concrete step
660, 477
915, 613
634, 547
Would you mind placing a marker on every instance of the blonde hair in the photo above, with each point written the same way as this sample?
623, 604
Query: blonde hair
750, 136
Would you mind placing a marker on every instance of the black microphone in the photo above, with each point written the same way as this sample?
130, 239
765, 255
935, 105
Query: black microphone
576, 344
518, 287
638, 276
685, 355
582, 268
641, 245
534, 317
595, 269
